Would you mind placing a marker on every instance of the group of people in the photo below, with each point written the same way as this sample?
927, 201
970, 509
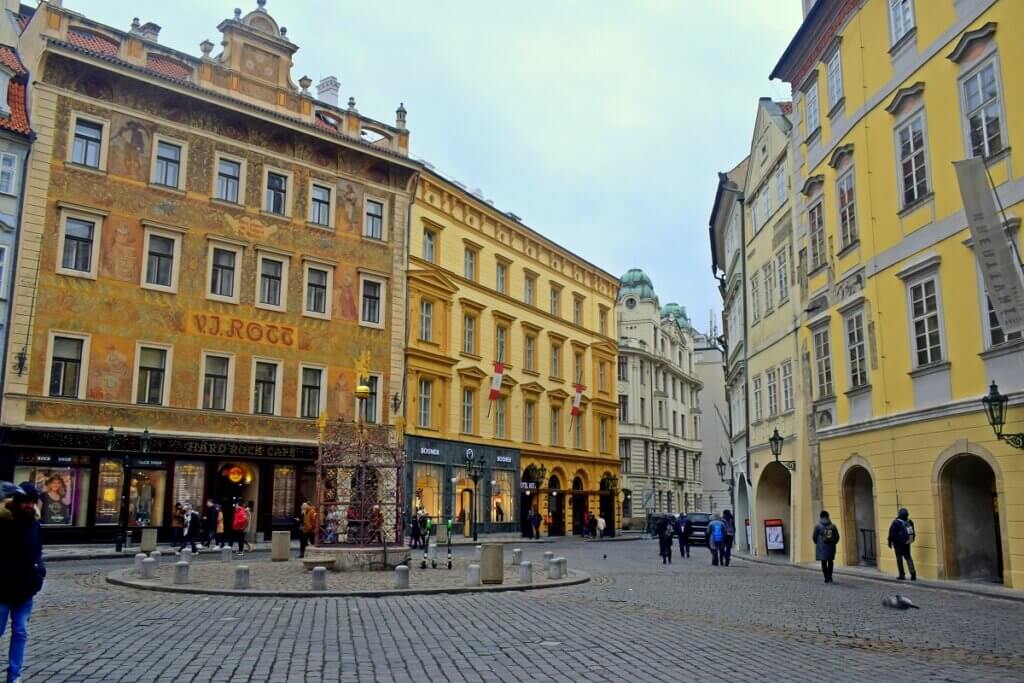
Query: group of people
901, 537
420, 527
721, 534
209, 529
534, 520
593, 526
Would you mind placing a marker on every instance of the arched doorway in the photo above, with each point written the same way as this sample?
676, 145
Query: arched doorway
556, 507
527, 500
742, 514
860, 531
970, 512
774, 502
608, 504
464, 506
579, 506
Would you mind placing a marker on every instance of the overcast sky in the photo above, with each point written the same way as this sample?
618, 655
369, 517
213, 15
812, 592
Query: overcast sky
603, 124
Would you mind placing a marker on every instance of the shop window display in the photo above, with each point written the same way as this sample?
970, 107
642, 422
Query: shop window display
501, 497
146, 498
427, 489
108, 492
64, 490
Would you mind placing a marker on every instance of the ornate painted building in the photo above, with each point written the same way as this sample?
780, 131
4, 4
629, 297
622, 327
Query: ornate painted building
485, 288
208, 251
659, 404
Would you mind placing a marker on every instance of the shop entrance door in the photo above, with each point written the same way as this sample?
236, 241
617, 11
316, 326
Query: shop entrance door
236, 483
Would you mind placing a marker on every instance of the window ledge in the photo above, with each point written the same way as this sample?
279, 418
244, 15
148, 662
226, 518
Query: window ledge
167, 188
315, 316
371, 325
997, 157
817, 269
930, 369
917, 204
278, 216
152, 288
270, 307
86, 275
320, 226
528, 371
87, 169
858, 391
471, 356
825, 400
839, 104
1008, 348
556, 379
848, 248
374, 240
904, 40
814, 135
227, 204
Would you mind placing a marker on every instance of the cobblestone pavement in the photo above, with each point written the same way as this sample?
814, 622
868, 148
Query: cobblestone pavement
638, 620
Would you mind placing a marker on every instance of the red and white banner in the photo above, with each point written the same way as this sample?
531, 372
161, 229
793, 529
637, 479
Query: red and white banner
499, 372
577, 399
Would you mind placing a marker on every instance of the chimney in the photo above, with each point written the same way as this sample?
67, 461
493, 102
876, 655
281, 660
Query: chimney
400, 116
327, 90
150, 31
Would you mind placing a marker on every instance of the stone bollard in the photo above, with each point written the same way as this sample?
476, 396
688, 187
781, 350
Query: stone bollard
401, 576
157, 556
473, 575
139, 557
547, 560
517, 556
149, 568
280, 546
492, 558
554, 572
476, 552
226, 553
319, 578
148, 542
241, 577
181, 572
563, 568
525, 572
186, 555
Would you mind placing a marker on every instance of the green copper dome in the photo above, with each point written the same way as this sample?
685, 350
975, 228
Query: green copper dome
636, 283
677, 313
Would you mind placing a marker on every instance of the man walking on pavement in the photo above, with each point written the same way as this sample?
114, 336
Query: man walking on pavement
191, 529
210, 522
826, 537
685, 531
901, 535
21, 569
716, 540
730, 536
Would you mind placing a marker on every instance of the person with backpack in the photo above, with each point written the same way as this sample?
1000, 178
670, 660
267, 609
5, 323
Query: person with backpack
716, 540
239, 523
730, 535
901, 536
826, 537
22, 570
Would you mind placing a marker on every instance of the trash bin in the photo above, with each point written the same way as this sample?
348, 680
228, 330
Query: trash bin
492, 570
280, 546
148, 540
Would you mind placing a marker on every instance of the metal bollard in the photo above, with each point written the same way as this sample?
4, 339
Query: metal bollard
554, 572
517, 556
319, 578
226, 553
157, 556
139, 557
401, 576
547, 559
187, 555
181, 572
149, 568
476, 552
525, 572
473, 575
242, 577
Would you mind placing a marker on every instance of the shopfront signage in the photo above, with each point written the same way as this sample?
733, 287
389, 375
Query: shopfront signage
152, 463
226, 327
504, 458
49, 459
528, 485
234, 449
425, 450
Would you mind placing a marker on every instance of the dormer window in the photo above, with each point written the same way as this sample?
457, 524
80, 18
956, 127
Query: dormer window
5, 80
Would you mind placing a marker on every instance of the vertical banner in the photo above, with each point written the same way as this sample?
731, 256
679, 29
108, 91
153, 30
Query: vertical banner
997, 257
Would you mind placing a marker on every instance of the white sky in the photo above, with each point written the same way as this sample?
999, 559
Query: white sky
603, 124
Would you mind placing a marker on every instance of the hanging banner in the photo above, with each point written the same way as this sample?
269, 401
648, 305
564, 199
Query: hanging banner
998, 259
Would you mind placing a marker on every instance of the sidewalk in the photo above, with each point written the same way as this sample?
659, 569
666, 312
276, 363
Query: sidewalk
105, 551
987, 590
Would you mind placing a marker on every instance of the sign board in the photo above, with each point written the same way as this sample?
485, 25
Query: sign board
528, 485
773, 538
470, 454
997, 257
503, 458
647, 498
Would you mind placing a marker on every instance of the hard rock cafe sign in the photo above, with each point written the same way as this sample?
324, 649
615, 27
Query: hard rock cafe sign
226, 327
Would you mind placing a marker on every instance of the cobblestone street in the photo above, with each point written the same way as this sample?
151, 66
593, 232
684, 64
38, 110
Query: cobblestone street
637, 620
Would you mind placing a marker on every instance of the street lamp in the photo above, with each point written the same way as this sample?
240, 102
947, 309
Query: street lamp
776, 445
474, 468
995, 410
720, 466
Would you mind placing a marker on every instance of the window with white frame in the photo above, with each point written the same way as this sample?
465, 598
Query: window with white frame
79, 246
426, 320
812, 106
577, 311
87, 146
766, 204
372, 409
577, 431
311, 392
602, 320
834, 77
469, 264
501, 342
276, 194
8, 173
216, 382
469, 334
769, 285
373, 222
318, 289
758, 414
925, 322
782, 274
500, 417
847, 209
623, 408
265, 383
229, 180
556, 425
426, 390
429, 245
556, 360
529, 352
67, 359
272, 278
501, 277
223, 276
787, 386
602, 376
996, 335
529, 411
817, 235
468, 401
152, 372
602, 434
772, 387
320, 205
755, 214
983, 110
780, 184
913, 168
556, 299
162, 251
3, 272
856, 350
529, 285
755, 298
901, 18
823, 362
167, 164
370, 310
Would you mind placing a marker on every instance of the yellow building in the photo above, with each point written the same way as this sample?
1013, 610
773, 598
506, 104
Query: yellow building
484, 288
889, 94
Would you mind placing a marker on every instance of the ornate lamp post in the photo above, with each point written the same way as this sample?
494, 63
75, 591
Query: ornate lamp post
775, 442
995, 410
720, 466
474, 468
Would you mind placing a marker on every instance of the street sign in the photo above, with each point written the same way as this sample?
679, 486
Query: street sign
647, 496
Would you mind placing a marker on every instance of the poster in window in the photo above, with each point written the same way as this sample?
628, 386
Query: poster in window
773, 534
108, 492
58, 488
188, 483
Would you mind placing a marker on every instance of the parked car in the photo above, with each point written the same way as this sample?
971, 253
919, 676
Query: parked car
652, 522
699, 520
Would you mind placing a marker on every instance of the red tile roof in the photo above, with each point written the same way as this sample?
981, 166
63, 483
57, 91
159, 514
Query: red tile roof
18, 119
9, 58
94, 42
168, 67
786, 107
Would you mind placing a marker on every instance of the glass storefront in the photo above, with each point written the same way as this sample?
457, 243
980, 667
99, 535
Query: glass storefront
427, 489
109, 483
64, 490
502, 501
146, 497
189, 479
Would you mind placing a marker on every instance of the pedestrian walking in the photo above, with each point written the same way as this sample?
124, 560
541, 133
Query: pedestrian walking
414, 532
177, 525
664, 532
901, 536
585, 530
239, 523
536, 524
307, 532
716, 540
685, 531
601, 526
192, 532
730, 535
250, 530
210, 522
219, 530
22, 570
592, 528
826, 537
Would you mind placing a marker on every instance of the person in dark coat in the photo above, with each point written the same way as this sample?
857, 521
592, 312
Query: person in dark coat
664, 532
900, 537
192, 532
22, 570
537, 519
730, 536
592, 530
826, 538
685, 531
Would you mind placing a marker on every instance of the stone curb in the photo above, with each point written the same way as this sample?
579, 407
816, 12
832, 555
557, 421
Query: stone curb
125, 555
116, 578
920, 583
